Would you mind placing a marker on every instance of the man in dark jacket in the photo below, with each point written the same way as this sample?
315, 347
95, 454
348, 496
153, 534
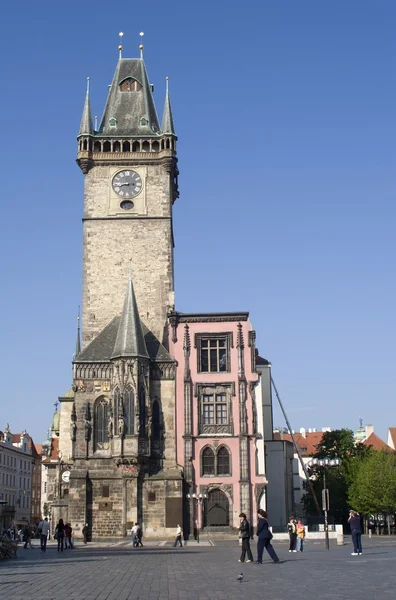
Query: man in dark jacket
356, 531
244, 530
264, 538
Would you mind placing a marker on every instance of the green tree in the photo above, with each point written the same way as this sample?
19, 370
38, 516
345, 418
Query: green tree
341, 444
372, 489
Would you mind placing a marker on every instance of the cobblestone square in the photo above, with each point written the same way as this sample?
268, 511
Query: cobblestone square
200, 572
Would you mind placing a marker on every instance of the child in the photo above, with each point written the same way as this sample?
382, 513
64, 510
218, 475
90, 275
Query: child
300, 530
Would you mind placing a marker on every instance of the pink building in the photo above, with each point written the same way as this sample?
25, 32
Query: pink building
218, 417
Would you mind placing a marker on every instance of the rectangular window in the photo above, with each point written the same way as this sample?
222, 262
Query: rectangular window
213, 355
105, 491
151, 496
215, 409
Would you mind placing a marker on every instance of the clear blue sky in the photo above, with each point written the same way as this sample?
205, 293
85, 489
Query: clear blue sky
285, 113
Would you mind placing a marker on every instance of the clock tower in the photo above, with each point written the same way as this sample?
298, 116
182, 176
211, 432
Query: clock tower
130, 184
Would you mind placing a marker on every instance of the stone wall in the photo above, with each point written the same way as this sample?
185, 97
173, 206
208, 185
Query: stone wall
112, 240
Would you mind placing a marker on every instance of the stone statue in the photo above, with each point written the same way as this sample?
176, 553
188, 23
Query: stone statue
121, 426
110, 426
87, 430
73, 431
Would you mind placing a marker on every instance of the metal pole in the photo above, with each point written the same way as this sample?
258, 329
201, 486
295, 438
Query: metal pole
297, 449
326, 522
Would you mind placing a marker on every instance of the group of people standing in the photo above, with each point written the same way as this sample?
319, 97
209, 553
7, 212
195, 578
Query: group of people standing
296, 531
264, 536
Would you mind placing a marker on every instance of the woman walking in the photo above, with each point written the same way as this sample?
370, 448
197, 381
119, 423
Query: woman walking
244, 529
264, 538
60, 534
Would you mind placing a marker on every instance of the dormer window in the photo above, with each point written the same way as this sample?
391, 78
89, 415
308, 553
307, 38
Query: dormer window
143, 121
130, 85
113, 122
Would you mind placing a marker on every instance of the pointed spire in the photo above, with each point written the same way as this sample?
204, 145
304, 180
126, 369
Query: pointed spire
167, 118
130, 339
86, 119
78, 342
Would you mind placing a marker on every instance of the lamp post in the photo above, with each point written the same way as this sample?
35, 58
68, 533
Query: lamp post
317, 464
198, 500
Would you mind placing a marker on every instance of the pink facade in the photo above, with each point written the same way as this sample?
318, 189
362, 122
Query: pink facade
216, 415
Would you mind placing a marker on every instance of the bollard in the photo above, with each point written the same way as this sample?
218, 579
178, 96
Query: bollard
340, 539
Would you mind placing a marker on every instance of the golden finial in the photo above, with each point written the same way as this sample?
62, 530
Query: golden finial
120, 46
141, 47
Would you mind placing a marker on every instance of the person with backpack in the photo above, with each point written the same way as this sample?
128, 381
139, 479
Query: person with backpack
244, 534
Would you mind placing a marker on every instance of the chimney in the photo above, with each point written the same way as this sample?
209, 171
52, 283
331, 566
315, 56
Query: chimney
302, 431
369, 430
310, 430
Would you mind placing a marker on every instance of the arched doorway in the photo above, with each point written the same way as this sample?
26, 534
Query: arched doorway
217, 512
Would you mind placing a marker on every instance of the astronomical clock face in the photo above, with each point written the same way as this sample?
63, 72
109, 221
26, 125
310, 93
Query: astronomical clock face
127, 184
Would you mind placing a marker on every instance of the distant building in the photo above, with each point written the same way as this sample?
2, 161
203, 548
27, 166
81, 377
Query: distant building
18, 469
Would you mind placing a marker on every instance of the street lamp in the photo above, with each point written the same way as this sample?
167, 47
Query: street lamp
325, 463
199, 500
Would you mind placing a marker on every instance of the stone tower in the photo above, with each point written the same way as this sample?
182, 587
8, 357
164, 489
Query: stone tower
130, 184
117, 426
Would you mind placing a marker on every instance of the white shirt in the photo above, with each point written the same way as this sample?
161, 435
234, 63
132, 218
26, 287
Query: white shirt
178, 530
45, 527
134, 529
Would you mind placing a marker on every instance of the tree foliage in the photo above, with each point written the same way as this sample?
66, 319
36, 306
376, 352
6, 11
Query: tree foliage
372, 487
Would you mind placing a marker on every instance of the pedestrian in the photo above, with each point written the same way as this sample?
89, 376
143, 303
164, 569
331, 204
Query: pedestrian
43, 530
300, 531
85, 533
244, 534
356, 531
178, 539
291, 528
139, 534
27, 536
60, 534
68, 536
264, 538
134, 531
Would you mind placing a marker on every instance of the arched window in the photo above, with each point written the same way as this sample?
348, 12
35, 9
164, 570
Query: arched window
129, 411
208, 462
101, 438
85, 144
106, 147
223, 461
97, 147
156, 426
130, 85
126, 147
116, 147
146, 146
155, 146
116, 407
136, 147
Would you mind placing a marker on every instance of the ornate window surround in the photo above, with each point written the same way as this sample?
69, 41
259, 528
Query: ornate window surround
104, 445
215, 453
202, 389
227, 336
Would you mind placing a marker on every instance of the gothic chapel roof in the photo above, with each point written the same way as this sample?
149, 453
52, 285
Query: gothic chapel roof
125, 335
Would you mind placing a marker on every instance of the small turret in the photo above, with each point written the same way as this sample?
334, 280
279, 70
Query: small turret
167, 118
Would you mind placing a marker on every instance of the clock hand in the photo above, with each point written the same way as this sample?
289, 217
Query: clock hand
121, 184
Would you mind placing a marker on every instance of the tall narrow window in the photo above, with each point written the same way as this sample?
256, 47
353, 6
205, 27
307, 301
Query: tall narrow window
156, 421
142, 411
223, 461
101, 438
129, 411
208, 462
116, 408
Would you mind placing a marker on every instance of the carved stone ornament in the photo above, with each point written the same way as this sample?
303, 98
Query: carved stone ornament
110, 426
128, 467
106, 386
121, 426
259, 490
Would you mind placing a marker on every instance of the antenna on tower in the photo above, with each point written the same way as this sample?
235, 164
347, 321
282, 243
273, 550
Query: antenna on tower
120, 46
141, 47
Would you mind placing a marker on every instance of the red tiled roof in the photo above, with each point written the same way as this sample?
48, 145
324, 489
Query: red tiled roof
306, 444
16, 437
54, 451
376, 443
